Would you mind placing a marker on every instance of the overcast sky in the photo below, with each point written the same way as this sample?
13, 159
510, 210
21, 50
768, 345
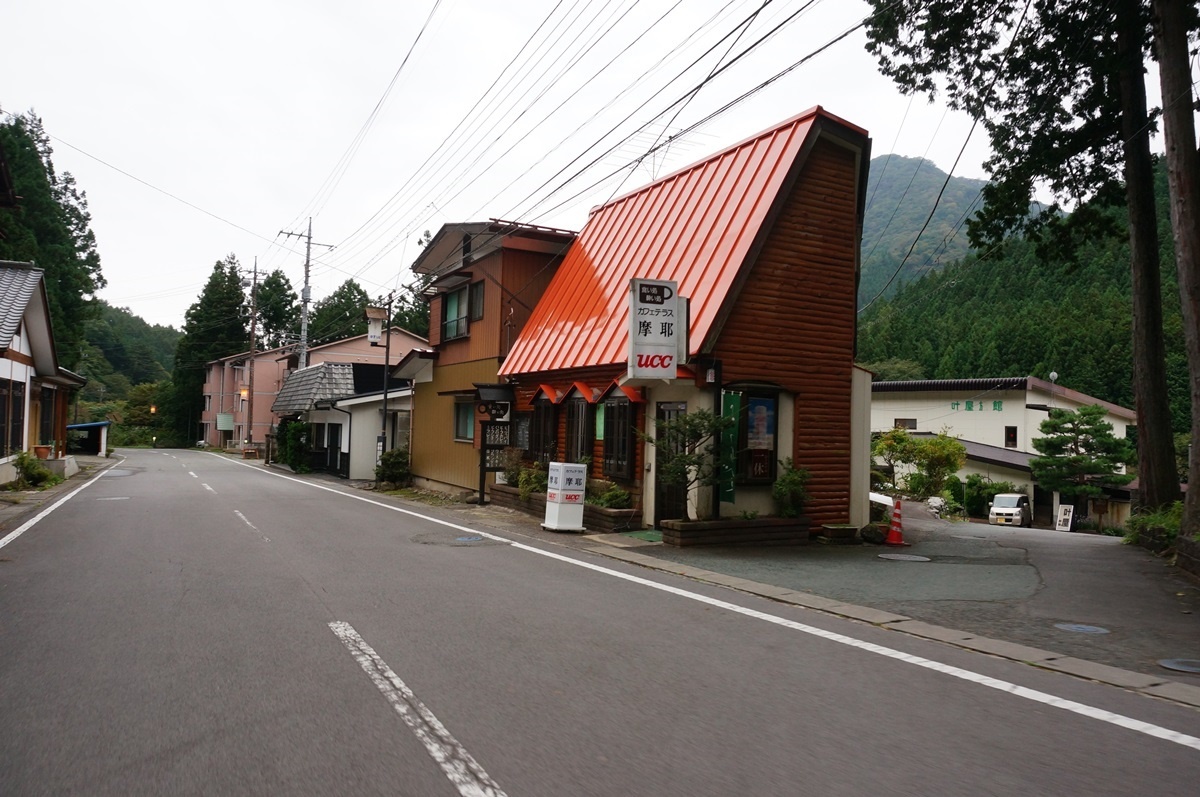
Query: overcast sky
203, 130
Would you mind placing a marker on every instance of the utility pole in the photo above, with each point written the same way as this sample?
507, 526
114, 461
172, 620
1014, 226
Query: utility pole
253, 354
306, 293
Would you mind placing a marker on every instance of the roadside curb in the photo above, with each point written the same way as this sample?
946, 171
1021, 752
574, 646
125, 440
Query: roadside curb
1149, 685
14, 515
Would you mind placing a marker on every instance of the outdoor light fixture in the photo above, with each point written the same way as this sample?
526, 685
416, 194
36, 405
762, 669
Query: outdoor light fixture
153, 409
245, 392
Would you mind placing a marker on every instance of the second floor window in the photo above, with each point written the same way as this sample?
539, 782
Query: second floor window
476, 300
454, 314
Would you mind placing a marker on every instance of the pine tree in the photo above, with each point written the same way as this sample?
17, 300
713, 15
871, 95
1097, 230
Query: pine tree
1080, 454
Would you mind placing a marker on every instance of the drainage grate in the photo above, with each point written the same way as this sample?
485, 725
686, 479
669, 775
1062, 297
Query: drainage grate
904, 557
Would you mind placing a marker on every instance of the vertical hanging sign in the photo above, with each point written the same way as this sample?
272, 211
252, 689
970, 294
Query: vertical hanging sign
655, 329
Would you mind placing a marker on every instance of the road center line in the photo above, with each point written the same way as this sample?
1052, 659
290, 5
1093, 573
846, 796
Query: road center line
1092, 712
193, 475
210, 489
265, 538
458, 765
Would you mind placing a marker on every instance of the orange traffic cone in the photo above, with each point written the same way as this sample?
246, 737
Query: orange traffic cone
895, 535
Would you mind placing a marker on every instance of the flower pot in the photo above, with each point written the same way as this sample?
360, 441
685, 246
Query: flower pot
42, 452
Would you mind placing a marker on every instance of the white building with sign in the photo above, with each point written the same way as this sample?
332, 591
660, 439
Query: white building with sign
996, 419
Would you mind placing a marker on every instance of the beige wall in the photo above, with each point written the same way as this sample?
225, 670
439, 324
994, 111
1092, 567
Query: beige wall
438, 460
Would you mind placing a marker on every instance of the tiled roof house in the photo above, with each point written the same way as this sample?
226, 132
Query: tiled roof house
763, 238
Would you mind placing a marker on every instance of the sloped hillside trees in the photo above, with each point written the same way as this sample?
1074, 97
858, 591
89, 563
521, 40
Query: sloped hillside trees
1059, 87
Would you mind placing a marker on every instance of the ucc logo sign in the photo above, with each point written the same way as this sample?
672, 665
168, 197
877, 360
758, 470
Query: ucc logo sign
655, 360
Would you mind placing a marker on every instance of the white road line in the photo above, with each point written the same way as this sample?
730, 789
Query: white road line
1045, 698
115, 498
210, 489
193, 475
27, 525
458, 765
265, 538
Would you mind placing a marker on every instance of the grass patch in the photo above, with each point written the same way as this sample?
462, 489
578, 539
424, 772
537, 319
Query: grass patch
428, 497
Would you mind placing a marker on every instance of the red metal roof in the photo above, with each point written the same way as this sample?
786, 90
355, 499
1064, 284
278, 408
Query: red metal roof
695, 226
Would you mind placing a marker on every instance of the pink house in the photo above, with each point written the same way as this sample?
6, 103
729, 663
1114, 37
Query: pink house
225, 420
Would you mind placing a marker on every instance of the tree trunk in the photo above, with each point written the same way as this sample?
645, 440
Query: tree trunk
1158, 479
1183, 174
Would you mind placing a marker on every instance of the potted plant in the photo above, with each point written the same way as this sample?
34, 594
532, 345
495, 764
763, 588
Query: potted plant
689, 457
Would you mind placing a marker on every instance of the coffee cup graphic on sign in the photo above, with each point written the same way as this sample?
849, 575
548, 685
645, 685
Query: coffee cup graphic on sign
654, 294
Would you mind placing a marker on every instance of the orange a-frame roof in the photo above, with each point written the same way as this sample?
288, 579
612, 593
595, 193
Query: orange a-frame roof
696, 226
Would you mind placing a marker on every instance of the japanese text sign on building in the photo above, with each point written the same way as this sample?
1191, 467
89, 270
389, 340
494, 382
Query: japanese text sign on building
656, 327
565, 483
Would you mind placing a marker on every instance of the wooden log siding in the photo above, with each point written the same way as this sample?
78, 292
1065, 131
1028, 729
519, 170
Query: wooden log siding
793, 323
601, 378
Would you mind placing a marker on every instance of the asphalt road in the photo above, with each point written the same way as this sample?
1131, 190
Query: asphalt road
189, 624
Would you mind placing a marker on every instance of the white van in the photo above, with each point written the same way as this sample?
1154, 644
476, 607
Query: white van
1010, 509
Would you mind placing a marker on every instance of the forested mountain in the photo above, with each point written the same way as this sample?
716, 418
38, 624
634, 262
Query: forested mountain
121, 350
1015, 313
900, 193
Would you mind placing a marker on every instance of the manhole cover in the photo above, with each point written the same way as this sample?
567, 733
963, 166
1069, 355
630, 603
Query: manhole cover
452, 539
1077, 628
904, 557
118, 472
1181, 665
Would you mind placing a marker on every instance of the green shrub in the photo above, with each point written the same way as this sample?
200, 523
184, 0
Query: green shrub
532, 480
513, 460
293, 446
32, 474
1169, 519
394, 467
790, 489
607, 494
977, 493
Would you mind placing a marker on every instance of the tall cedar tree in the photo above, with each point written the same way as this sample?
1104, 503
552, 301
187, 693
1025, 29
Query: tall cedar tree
1059, 87
278, 310
1174, 23
339, 315
214, 327
51, 228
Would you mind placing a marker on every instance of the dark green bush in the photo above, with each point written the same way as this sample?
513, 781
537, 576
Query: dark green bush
790, 489
532, 480
32, 474
607, 494
394, 467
